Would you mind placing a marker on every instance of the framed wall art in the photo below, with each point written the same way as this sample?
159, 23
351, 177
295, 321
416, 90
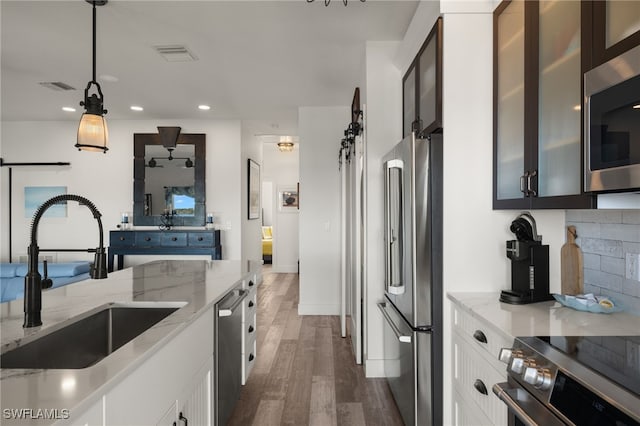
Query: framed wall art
288, 200
254, 189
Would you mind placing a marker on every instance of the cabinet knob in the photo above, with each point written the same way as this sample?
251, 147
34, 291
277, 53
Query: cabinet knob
121, 238
200, 238
251, 357
480, 336
250, 283
480, 387
251, 303
174, 239
251, 329
147, 239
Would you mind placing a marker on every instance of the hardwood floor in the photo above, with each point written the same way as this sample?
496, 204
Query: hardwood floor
305, 373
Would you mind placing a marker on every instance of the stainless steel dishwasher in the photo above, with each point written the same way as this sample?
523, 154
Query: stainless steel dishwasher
228, 353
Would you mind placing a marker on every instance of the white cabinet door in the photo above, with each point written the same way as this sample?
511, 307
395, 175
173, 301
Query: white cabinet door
94, 416
196, 404
169, 417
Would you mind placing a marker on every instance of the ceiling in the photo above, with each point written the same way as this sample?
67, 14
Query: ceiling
256, 60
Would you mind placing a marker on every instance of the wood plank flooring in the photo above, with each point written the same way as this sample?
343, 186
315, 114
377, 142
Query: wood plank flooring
305, 373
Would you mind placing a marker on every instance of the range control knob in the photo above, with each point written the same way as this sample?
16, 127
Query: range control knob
519, 363
507, 353
540, 378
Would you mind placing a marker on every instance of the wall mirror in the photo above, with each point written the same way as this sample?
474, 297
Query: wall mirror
168, 177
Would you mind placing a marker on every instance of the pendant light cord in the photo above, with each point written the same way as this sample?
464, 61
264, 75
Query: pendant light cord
94, 42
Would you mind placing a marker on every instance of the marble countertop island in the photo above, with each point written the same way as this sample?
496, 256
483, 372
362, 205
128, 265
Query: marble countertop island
195, 285
544, 318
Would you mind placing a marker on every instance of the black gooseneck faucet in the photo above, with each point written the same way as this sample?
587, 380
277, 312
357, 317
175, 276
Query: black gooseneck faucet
33, 280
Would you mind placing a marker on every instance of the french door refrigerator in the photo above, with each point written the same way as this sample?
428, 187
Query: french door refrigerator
412, 306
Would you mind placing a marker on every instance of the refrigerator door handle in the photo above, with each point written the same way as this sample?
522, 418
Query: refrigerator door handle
393, 236
404, 338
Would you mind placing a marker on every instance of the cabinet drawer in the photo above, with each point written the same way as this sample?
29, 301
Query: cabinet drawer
121, 239
248, 361
148, 239
474, 378
200, 239
176, 239
481, 335
467, 413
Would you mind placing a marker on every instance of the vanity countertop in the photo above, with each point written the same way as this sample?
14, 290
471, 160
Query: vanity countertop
544, 318
198, 283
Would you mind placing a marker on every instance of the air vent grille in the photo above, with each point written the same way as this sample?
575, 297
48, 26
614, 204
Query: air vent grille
57, 85
175, 53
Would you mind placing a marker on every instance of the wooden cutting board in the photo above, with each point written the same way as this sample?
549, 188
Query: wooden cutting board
571, 265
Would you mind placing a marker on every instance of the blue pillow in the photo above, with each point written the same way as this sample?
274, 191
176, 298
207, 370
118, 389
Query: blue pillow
8, 270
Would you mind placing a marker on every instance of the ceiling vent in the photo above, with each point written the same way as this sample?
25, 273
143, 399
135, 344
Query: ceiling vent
56, 85
175, 53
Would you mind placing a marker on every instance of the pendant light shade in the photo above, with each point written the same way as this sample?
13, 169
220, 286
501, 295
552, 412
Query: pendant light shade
92, 131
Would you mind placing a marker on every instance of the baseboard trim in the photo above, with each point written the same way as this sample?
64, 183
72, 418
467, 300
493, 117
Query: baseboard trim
374, 368
304, 309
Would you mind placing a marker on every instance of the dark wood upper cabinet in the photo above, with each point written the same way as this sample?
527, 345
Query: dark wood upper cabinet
422, 87
538, 67
616, 28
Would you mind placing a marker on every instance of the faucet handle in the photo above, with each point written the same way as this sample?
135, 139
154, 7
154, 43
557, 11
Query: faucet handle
46, 282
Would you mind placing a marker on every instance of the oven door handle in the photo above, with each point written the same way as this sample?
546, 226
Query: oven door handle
503, 391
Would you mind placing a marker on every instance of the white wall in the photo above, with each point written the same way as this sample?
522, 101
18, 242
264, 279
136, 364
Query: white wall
107, 180
282, 169
320, 131
474, 234
383, 131
251, 229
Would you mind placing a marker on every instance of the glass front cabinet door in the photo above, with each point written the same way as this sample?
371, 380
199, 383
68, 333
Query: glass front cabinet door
422, 87
537, 105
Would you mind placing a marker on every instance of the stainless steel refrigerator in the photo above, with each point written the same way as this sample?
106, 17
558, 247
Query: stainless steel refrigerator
412, 306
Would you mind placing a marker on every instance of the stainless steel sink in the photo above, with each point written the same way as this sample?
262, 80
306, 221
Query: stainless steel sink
92, 336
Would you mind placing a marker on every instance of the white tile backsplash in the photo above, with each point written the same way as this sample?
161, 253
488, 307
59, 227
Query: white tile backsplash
609, 239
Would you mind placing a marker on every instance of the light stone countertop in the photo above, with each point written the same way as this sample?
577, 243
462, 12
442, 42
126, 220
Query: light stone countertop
544, 318
198, 283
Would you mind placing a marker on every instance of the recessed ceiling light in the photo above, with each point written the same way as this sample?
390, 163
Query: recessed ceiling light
69, 109
204, 107
136, 108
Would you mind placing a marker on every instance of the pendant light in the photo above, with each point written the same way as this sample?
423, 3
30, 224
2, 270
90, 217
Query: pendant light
92, 131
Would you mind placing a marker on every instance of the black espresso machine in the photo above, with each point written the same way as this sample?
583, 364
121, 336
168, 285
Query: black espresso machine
529, 264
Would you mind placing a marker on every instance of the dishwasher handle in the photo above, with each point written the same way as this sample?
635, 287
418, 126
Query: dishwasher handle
228, 310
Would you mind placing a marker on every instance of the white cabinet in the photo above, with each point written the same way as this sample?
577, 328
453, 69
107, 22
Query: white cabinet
178, 375
196, 404
249, 327
476, 368
93, 416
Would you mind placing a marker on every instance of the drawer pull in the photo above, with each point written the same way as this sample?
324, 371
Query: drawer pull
251, 357
250, 283
147, 238
251, 329
121, 238
200, 239
251, 303
479, 336
174, 239
480, 387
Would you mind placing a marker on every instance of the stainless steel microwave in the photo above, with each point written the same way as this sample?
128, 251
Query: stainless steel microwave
612, 124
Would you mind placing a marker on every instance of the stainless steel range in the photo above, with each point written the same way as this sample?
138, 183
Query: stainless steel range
568, 380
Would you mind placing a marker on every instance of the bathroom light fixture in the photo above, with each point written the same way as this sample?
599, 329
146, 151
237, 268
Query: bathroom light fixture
136, 108
92, 131
68, 109
204, 107
327, 2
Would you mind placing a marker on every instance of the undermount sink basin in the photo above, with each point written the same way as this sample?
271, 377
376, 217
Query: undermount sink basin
91, 337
